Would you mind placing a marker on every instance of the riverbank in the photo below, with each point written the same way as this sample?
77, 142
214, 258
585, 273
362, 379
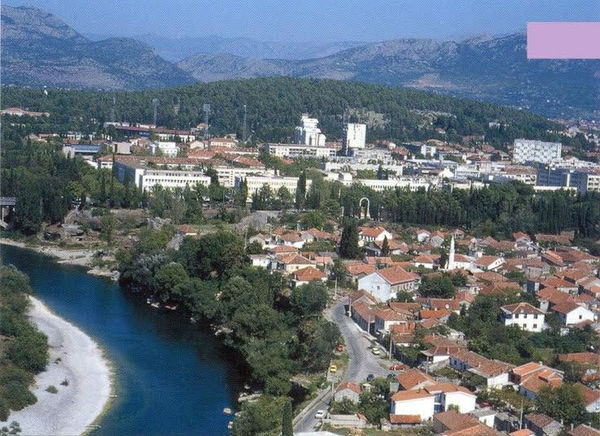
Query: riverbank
77, 369
79, 257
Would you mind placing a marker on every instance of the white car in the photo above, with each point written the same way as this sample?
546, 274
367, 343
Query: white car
376, 351
320, 414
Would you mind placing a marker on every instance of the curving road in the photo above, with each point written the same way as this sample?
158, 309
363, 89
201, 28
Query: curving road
361, 363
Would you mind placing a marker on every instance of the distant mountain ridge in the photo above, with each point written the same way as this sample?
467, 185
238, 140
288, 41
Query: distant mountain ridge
483, 68
39, 49
176, 49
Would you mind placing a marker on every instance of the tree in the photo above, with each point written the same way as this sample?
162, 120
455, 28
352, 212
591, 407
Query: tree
564, 403
28, 211
301, 191
437, 286
167, 279
107, 223
385, 247
287, 428
308, 299
349, 243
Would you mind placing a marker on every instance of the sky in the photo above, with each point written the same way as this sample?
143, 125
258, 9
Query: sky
312, 20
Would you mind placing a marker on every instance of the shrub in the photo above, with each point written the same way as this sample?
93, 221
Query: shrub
52, 389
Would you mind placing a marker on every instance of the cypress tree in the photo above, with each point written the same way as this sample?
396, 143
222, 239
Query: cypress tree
287, 428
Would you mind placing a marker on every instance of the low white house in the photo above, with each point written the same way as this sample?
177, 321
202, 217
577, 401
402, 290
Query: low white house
432, 399
347, 390
571, 313
384, 284
523, 315
373, 234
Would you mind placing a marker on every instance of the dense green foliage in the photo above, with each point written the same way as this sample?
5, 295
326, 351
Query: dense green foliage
564, 403
488, 336
274, 105
210, 277
24, 349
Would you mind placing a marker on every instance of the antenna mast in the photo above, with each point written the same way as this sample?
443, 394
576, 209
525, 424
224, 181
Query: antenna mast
155, 103
206, 108
245, 125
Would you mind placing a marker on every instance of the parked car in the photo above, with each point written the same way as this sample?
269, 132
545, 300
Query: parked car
333, 368
370, 377
340, 348
376, 351
320, 414
397, 367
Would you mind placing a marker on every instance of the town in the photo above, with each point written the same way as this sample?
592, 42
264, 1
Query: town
443, 329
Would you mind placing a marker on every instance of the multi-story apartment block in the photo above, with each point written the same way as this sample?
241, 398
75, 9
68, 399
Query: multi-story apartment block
527, 150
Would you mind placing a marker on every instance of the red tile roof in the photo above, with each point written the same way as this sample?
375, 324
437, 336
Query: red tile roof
396, 275
308, 274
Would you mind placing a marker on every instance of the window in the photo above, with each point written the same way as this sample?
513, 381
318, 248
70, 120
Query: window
535, 316
580, 316
535, 326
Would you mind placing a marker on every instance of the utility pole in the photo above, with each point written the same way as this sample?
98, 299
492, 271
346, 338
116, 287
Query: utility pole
391, 342
244, 130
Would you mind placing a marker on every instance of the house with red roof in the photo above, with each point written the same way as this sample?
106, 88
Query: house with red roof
533, 376
432, 398
385, 283
306, 275
373, 234
573, 314
347, 391
524, 316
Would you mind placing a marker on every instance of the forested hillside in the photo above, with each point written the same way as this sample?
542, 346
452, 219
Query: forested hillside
274, 106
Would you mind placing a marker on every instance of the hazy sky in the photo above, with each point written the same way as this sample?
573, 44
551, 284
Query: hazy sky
312, 20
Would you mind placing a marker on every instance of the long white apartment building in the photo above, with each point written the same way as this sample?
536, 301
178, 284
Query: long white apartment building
145, 178
528, 150
353, 167
301, 150
228, 174
412, 183
274, 182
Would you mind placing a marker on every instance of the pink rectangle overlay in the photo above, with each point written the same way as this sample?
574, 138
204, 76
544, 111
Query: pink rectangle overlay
563, 40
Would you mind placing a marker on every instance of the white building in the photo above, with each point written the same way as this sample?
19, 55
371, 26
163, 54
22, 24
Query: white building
301, 150
274, 182
384, 284
308, 133
145, 178
167, 148
227, 175
356, 135
527, 150
432, 399
571, 314
523, 315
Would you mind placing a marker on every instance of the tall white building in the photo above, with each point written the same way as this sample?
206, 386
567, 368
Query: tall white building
355, 136
308, 133
528, 150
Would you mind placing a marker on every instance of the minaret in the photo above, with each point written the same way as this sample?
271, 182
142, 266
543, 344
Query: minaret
450, 265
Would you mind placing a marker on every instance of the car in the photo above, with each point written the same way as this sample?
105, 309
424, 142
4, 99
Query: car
333, 368
370, 377
320, 414
376, 351
391, 376
397, 367
340, 348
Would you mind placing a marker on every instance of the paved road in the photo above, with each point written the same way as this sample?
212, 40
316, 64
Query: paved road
362, 363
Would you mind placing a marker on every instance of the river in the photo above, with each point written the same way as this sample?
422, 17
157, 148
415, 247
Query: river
171, 377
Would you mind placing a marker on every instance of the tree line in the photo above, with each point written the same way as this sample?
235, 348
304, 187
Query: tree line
24, 349
278, 332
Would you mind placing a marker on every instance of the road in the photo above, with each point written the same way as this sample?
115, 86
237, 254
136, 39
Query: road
361, 363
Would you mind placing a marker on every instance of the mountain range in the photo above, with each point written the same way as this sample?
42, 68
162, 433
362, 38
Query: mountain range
39, 49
